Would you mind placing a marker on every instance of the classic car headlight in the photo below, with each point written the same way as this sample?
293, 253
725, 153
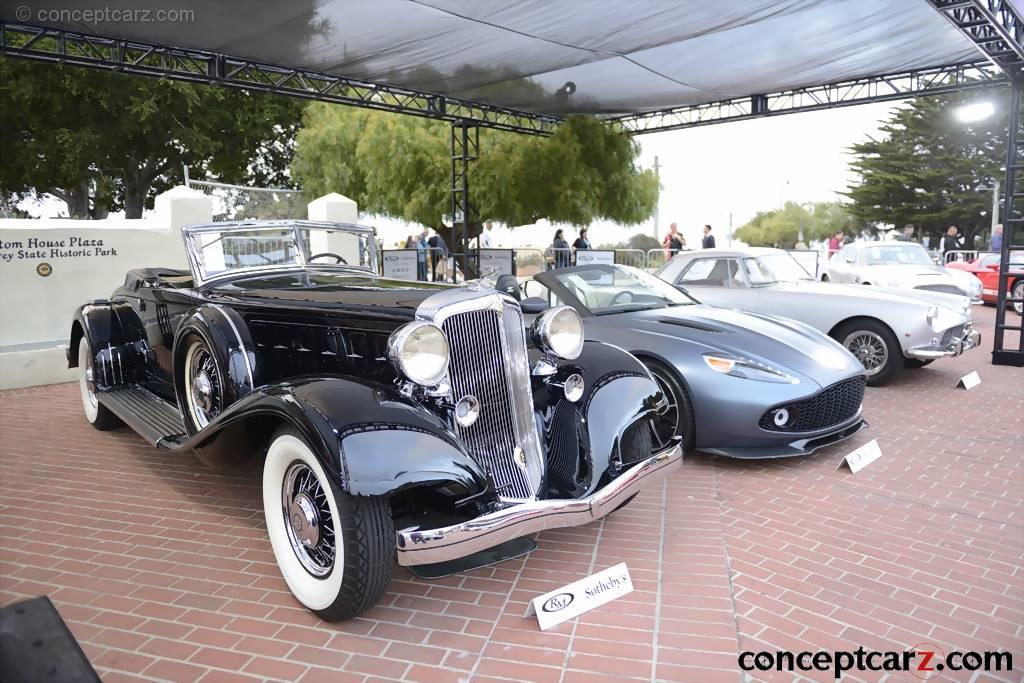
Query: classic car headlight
419, 351
737, 366
559, 331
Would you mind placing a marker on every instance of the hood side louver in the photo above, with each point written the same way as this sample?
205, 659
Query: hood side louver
692, 325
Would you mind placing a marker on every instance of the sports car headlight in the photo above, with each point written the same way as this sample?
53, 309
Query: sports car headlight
419, 351
559, 331
737, 366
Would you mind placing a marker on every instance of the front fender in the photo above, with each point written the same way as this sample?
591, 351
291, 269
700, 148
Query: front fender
618, 391
370, 438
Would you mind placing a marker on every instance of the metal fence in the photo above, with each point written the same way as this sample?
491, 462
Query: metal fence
238, 202
962, 255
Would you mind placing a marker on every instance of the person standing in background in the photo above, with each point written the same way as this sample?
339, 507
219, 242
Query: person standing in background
709, 240
421, 256
835, 243
950, 242
907, 235
486, 241
582, 242
438, 254
673, 242
410, 242
560, 249
995, 243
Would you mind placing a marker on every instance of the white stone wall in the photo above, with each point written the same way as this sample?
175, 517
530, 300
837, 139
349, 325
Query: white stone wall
50, 267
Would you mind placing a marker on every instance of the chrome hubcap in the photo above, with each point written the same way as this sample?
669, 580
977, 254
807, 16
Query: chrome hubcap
870, 350
204, 395
1018, 293
308, 520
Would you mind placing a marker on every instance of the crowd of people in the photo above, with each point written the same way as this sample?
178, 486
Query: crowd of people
431, 255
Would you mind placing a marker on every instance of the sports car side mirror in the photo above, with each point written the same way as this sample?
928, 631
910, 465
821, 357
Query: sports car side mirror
533, 304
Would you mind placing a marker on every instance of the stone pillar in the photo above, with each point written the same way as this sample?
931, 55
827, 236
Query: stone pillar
181, 206
333, 207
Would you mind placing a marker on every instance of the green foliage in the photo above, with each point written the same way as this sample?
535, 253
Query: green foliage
781, 228
400, 166
927, 169
641, 241
104, 141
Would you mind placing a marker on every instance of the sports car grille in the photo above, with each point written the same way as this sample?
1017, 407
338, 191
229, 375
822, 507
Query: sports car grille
831, 406
945, 289
487, 349
948, 335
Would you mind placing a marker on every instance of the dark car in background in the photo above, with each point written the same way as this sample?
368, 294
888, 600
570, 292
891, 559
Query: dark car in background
398, 419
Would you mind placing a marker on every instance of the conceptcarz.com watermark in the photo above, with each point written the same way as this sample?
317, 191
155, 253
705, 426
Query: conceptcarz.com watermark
106, 15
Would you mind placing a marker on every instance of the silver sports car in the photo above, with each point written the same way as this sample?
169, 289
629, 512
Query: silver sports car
739, 384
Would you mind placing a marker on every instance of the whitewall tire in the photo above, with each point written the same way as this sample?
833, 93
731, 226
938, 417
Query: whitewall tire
95, 412
335, 551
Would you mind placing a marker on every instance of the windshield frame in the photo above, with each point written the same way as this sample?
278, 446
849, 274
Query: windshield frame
193, 233
550, 279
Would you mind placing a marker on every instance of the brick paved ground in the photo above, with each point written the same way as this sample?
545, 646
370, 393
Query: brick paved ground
163, 571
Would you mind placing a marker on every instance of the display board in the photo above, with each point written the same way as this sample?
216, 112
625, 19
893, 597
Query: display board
400, 264
497, 262
585, 257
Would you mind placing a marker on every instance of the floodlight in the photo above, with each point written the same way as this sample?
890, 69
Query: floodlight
975, 111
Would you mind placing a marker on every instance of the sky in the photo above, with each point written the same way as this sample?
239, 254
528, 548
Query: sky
708, 174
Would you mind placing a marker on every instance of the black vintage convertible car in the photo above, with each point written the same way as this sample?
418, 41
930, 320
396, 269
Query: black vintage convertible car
397, 419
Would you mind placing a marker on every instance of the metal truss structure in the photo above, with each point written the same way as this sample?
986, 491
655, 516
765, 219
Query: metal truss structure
933, 81
996, 28
465, 149
198, 66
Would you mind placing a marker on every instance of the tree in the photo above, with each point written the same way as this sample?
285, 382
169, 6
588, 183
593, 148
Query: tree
400, 166
103, 141
781, 228
928, 168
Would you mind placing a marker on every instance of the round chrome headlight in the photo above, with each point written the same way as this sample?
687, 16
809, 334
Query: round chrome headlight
419, 351
559, 331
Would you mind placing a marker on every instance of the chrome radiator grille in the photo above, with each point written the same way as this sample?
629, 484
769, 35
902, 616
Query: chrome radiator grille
488, 360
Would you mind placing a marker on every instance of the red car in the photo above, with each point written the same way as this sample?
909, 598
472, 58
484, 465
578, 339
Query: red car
986, 269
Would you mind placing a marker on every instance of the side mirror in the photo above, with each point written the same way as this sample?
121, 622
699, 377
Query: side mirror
849, 259
533, 305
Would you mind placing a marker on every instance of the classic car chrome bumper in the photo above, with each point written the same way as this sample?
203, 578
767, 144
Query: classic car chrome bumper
450, 542
968, 339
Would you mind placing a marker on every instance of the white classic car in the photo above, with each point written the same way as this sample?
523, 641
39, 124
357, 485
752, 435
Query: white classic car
905, 265
886, 329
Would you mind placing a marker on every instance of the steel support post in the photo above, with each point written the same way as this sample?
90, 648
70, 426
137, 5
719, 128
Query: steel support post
1008, 349
464, 149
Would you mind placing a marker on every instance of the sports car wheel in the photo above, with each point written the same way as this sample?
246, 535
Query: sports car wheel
334, 550
1018, 293
677, 420
204, 384
95, 412
874, 346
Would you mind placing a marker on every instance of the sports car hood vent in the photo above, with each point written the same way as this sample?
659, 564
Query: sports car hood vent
692, 325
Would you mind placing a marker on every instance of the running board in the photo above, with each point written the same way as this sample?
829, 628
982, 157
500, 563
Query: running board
153, 418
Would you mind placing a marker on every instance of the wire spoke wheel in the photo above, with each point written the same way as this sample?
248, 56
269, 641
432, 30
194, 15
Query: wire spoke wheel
869, 348
204, 387
666, 423
308, 520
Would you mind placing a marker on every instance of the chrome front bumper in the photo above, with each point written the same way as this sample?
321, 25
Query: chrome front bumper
450, 542
967, 341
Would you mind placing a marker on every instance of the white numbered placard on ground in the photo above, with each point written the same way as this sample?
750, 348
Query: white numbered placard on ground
580, 596
970, 380
863, 456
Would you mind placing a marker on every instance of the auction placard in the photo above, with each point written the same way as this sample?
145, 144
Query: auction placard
863, 456
580, 596
585, 257
497, 262
400, 263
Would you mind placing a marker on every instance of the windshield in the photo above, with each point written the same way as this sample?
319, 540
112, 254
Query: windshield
215, 251
606, 289
771, 269
897, 254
